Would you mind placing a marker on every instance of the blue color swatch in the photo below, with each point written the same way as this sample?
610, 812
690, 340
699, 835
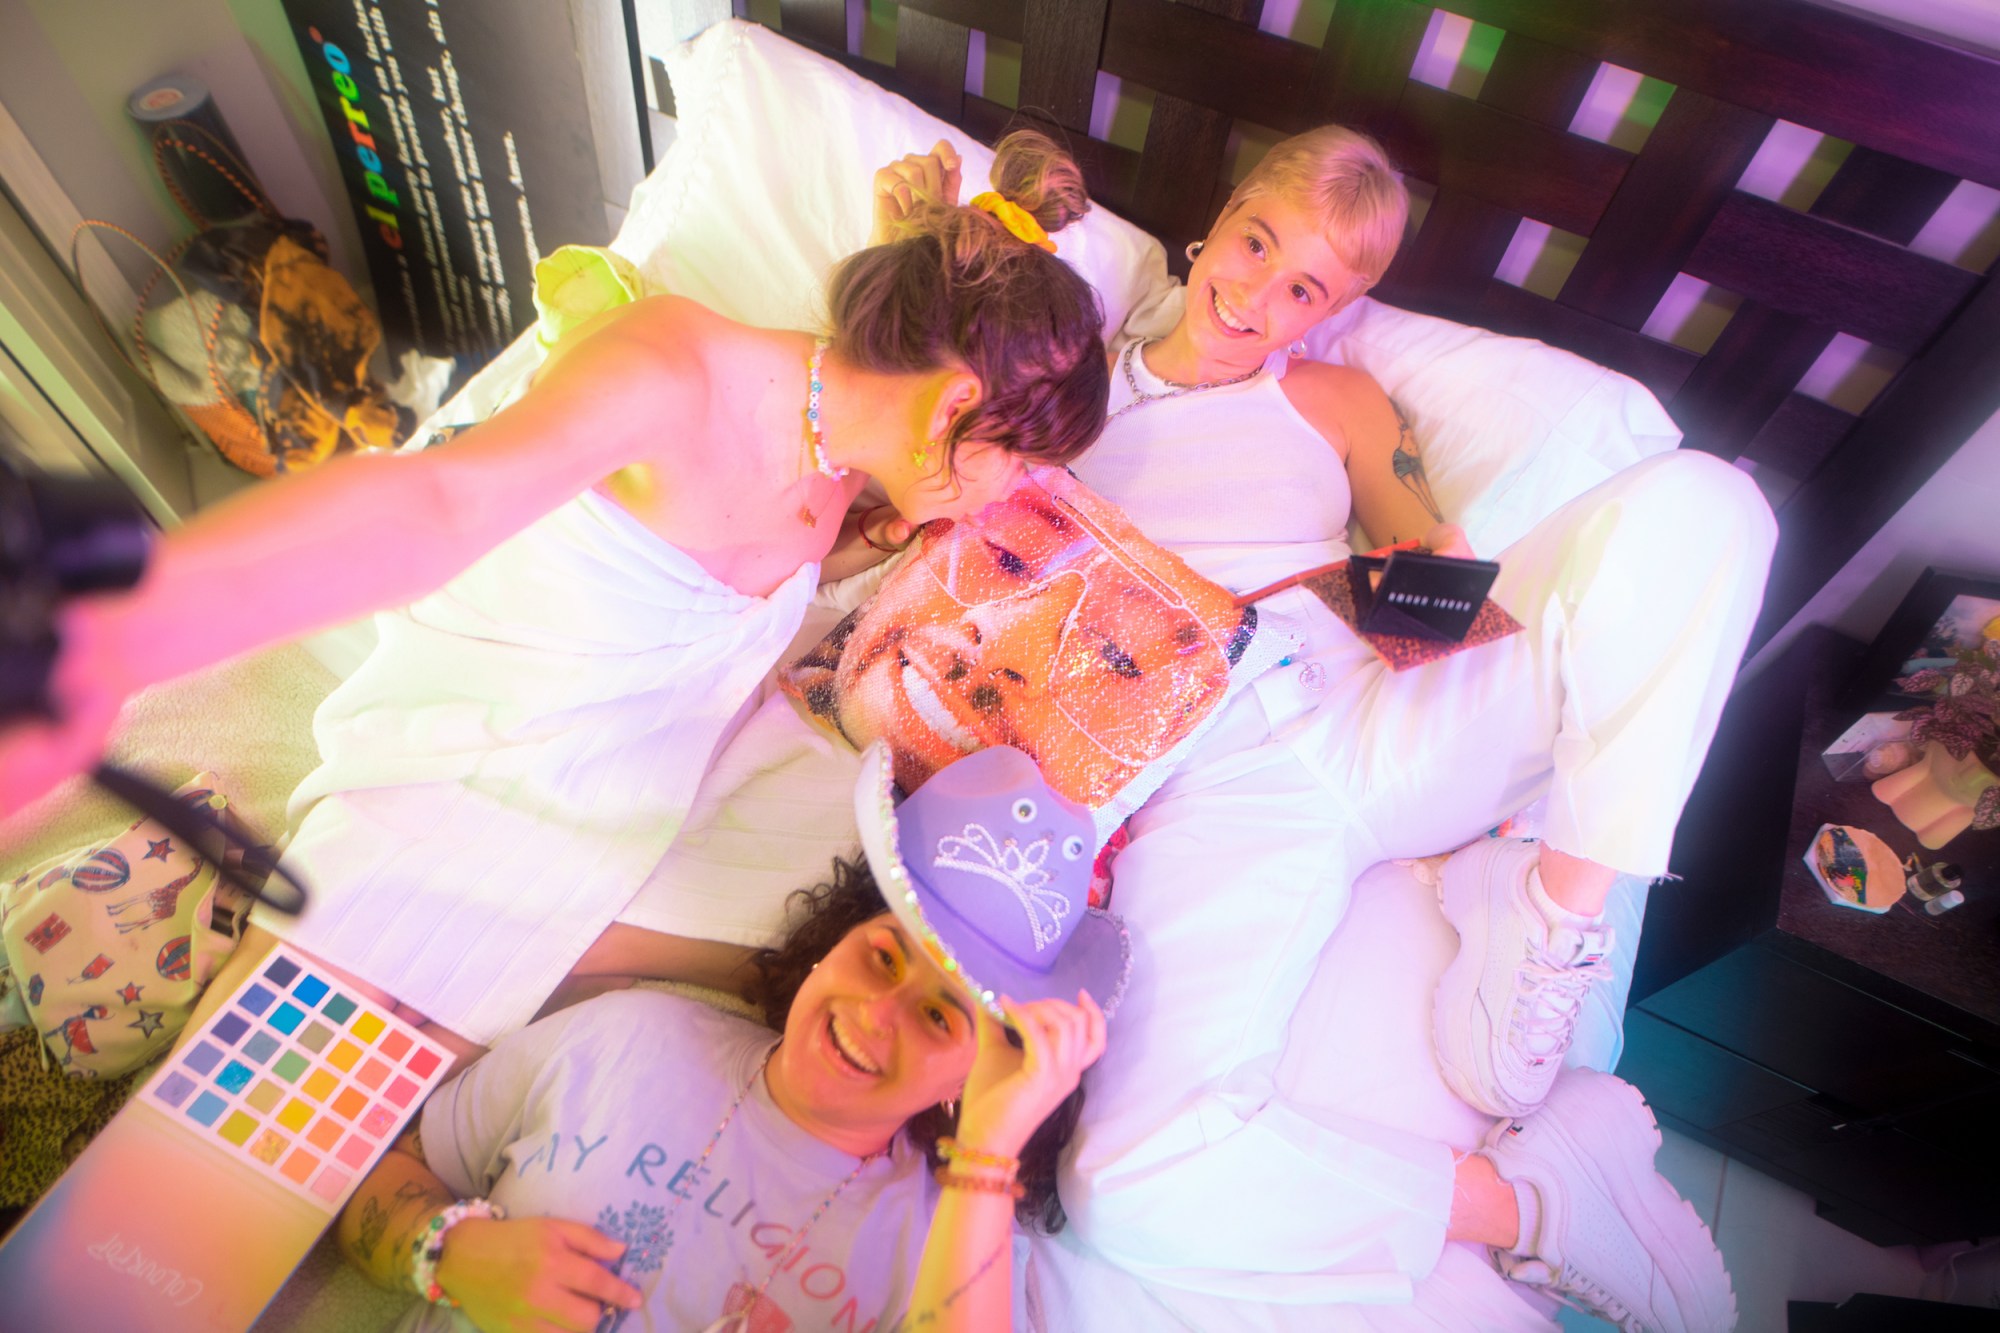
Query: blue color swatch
235, 1077
310, 991
174, 1088
286, 1018
257, 999
207, 1108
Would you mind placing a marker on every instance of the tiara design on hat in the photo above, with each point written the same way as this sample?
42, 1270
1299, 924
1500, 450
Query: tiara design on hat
976, 851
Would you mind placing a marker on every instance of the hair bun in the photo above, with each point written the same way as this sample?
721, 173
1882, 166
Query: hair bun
1036, 174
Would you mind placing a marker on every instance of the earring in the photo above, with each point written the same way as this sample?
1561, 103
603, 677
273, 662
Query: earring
950, 1107
921, 455
1298, 349
1194, 250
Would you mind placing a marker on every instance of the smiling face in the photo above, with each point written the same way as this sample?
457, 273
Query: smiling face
1265, 275
1047, 624
876, 1035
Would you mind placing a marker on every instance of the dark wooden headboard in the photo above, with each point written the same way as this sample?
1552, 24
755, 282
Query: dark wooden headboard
1920, 113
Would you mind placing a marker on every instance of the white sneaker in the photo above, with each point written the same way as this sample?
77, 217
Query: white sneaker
1506, 1008
1613, 1238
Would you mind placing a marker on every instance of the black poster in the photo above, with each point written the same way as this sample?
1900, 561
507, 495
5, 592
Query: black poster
465, 145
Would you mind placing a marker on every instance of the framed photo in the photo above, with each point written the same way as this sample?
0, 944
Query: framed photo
1944, 614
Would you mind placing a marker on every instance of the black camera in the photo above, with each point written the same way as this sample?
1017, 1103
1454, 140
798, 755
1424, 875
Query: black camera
62, 536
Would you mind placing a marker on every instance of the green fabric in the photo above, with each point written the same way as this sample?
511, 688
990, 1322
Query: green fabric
579, 281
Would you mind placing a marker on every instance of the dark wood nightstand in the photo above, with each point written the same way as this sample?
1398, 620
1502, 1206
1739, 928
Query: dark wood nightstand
1856, 1057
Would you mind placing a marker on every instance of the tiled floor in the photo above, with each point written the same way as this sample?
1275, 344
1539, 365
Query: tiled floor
1778, 1250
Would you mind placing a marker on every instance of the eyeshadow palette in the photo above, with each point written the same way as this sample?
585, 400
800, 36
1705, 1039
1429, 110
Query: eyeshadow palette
300, 1078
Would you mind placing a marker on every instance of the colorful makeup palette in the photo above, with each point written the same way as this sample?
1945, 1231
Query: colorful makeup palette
300, 1078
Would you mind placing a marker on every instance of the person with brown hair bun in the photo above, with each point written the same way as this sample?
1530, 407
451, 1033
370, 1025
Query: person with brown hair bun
612, 562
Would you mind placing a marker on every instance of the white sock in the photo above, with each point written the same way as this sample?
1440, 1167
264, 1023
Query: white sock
1553, 912
1527, 1202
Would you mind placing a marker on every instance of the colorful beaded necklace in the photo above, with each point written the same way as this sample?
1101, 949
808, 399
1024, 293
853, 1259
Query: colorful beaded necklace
815, 437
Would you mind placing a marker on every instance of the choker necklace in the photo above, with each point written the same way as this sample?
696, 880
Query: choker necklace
1140, 397
815, 438
646, 1258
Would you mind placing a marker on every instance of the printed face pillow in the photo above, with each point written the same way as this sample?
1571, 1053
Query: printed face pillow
1046, 622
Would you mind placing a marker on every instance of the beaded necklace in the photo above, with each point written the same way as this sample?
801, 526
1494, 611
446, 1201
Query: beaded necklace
1140, 397
732, 1323
815, 437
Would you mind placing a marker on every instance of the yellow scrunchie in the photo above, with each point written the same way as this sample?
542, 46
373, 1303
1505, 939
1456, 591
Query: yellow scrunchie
1015, 219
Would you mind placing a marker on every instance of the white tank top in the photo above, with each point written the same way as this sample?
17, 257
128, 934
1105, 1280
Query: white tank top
1233, 480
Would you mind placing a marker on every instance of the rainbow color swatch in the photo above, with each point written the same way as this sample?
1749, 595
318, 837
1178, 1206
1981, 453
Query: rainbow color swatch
300, 1077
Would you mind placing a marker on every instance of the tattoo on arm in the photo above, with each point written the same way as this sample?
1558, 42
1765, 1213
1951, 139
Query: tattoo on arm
374, 1221
1409, 467
918, 1318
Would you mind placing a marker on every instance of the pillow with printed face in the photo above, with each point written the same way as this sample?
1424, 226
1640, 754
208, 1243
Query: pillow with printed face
1045, 622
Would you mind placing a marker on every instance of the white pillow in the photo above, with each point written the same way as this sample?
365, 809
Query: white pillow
769, 182
1511, 429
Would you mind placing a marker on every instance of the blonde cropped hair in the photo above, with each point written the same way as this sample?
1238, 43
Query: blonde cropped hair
1344, 180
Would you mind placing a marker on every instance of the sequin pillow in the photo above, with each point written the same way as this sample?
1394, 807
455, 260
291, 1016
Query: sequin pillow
1047, 622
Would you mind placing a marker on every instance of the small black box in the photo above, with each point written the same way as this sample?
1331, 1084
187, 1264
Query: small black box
1419, 595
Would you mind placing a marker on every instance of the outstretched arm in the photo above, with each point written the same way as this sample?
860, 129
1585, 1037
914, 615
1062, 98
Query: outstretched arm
360, 534
965, 1282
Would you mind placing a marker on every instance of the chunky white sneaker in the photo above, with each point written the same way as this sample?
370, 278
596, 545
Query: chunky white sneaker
1612, 1238
1507, 1005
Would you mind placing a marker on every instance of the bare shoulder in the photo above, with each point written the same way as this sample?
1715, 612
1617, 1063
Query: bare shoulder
662, 338
1344, 404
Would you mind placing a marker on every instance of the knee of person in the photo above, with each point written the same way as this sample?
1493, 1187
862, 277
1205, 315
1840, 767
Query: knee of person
1714, 503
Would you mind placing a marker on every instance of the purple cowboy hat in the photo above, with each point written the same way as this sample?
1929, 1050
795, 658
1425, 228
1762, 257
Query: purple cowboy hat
989, 869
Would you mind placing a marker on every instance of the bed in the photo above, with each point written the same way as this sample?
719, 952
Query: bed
1921, 114
1843, 265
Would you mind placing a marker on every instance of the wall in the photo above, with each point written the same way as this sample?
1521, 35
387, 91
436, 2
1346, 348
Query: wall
66, 67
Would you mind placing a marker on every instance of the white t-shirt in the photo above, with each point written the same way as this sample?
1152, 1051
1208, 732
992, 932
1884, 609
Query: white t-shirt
599, 1113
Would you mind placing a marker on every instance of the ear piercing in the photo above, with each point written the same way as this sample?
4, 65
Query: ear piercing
1194, 250
1298, 349
921, 455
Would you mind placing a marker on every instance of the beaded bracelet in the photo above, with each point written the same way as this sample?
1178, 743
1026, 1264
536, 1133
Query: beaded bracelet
953, 1151
959, 1180
428, 1246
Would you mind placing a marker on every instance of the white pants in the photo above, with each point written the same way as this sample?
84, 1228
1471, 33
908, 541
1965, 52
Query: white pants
1189, 1169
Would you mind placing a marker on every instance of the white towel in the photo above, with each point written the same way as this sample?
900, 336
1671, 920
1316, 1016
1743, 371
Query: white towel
502, 773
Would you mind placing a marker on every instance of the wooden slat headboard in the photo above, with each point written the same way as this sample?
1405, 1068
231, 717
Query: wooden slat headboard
1921, 114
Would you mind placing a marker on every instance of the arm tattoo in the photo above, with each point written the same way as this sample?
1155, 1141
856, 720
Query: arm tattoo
1409, 467
918, 1318
374, 1221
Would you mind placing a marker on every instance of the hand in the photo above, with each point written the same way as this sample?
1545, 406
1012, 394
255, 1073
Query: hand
1009, 1093
867, 538
898, 187
1449, 539
532, 1274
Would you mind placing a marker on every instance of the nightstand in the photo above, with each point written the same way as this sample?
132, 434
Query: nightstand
1856, 1057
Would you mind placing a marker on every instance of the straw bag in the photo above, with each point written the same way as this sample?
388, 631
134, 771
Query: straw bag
264, 348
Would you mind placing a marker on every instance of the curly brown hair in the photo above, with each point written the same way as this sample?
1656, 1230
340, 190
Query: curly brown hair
959, 289
822, 916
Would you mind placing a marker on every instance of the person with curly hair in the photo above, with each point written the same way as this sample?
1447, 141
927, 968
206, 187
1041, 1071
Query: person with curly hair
864, 1168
